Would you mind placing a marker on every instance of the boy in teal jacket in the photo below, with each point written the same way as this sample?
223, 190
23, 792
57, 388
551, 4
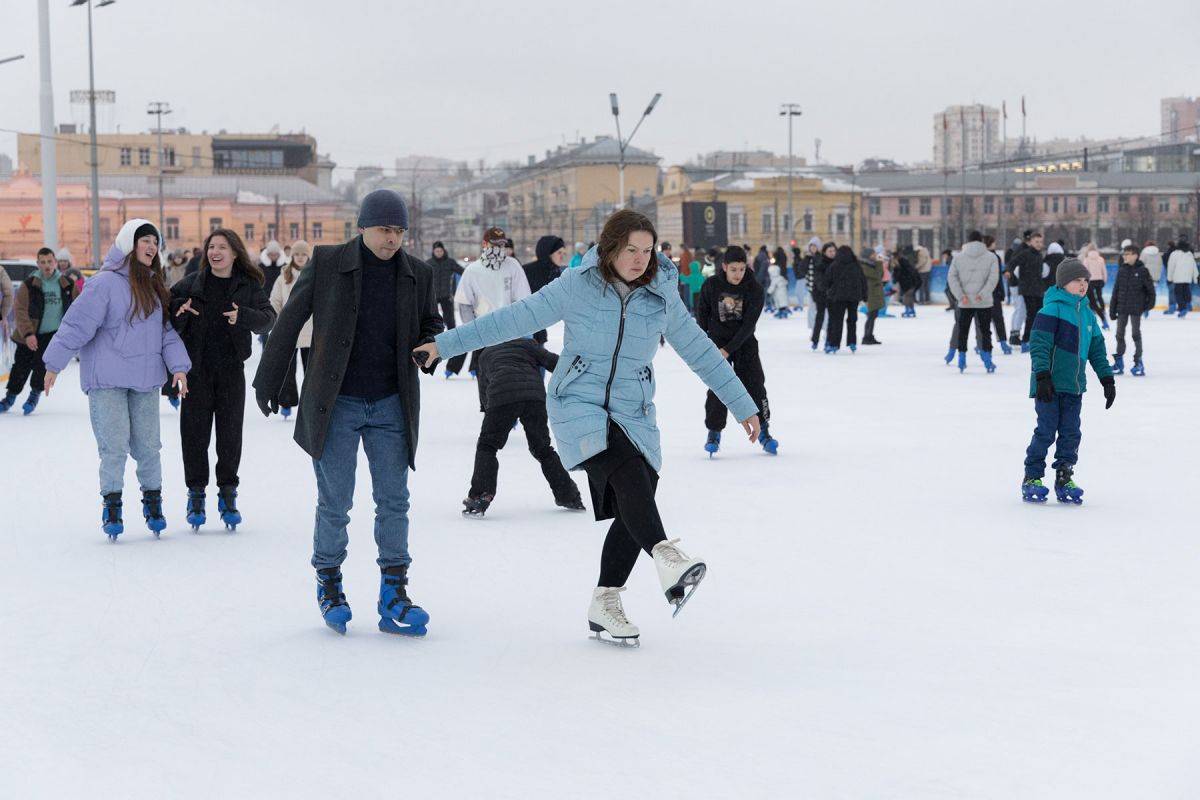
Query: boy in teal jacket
1065, 338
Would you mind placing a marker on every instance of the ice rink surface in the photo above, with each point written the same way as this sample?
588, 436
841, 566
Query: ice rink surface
882, 616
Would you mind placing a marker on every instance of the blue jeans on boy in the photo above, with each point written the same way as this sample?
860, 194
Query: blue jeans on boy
1059, 417
125, 423
381, 427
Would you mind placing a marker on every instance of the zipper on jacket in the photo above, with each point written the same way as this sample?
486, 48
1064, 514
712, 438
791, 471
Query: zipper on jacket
1083, 361
617, 351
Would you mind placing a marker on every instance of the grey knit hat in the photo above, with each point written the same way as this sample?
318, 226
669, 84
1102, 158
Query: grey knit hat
1069, 270
383, 207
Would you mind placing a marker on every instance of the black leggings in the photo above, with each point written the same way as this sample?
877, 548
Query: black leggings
1095, 297
1033, 304
819, 319
637, 525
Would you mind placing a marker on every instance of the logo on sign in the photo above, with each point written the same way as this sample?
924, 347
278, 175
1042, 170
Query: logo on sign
710, 215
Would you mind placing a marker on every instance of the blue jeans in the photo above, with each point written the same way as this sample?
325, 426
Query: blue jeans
380, 426
1059, 417
125, 423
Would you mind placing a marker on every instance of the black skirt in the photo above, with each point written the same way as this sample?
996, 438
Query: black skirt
602, 465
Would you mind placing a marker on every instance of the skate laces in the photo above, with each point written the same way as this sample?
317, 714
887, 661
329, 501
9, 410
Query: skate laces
612, 604
672, 555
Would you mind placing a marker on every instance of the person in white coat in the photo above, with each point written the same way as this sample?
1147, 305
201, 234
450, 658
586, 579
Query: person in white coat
1152, 260
1181, 271
972, 279
493, 281
289, 393
778, 289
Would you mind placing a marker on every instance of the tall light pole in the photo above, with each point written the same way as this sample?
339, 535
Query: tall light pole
49, 143
624, 143
790, 110
92, 117
158, 108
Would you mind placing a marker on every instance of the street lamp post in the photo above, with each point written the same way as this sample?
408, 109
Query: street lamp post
790, 110
92, 118
624, 143
158, 108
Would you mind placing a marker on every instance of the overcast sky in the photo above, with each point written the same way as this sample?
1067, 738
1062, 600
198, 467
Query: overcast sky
377, 79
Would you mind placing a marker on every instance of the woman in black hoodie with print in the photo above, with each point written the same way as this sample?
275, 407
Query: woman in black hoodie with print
845, 288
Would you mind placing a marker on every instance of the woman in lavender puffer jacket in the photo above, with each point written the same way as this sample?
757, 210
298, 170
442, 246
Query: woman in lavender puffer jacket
119, 325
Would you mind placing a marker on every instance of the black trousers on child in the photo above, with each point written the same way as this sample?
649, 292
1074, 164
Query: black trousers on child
838, 312
983, 327
623, 485
214, 397
28, 365
1134, 320
748, 367
498, 423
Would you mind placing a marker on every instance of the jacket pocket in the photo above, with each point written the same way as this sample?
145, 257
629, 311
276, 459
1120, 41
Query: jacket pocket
646, 382
578, 367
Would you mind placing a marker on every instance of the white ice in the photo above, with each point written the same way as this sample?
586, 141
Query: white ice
882, 617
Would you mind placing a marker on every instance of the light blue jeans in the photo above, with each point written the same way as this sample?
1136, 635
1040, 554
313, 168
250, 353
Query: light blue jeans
380, 425
125, 422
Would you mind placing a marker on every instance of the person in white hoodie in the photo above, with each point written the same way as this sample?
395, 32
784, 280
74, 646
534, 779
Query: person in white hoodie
1181, 271
289, 394
972, 279
490, 283
1152, 260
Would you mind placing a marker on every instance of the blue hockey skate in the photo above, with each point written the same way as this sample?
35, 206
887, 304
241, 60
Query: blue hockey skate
1024, 347
962, 361
285, 412
334, 608
1118, 365
110, 517
195, 509
174, 401
814, 347
1139, 369
853, 348
227, 507
152, 511
397, 614
830, 350
713, 444
8, 402
769, 445
950, 355
31, 403
986, 357
1065, 488
1033, 491
1005, 348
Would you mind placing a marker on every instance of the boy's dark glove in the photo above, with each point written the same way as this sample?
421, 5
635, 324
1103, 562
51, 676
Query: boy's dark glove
1110, 390
267, 402
1045, 387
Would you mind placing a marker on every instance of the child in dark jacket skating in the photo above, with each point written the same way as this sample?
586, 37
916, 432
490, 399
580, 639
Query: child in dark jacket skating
1133, 295
1064, 339
511, 389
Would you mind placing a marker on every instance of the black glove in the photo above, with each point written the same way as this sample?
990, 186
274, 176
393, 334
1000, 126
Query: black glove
268, 403
1045, 387
1112, 314
1110, 390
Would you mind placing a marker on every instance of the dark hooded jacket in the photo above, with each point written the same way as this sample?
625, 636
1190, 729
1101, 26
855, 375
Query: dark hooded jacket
1133, 292
445, 269
543, 270
729, 312
844, 279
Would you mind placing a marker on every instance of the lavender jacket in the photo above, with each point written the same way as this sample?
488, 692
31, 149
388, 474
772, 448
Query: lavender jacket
115, 353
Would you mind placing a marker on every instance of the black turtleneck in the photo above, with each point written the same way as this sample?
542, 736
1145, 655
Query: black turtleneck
373, 372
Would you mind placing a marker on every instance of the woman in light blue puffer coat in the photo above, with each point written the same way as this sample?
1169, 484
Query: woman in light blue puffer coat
600, 400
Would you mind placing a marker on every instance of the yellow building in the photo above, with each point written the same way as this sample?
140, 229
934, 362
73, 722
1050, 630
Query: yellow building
756, 203
573, 190
184, 154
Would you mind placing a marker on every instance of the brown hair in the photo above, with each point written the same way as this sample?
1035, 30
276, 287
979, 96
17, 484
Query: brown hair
147, 288
290, 271
615, 236
241, 259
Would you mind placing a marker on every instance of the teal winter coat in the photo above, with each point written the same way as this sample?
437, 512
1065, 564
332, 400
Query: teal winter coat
607, 356
1065, 338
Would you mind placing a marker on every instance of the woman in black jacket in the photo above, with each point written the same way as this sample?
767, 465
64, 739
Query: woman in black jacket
845, 287
816, 289
215, 310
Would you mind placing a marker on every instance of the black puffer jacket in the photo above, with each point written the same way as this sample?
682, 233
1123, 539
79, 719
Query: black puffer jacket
255, 314
1028, 262
844, 279
1133, 292
444, 271
816, 276
511, 372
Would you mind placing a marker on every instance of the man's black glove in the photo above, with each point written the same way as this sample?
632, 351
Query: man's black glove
1110, 390
267, 402
1045, 388
1113, 315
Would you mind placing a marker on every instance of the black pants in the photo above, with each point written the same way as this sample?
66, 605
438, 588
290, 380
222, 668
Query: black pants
869, 328
213, 396
838, 312
983, 327
1136, 321
493, 435
923, 293
446, 304
623, 487
1033, 304
819, 319
998, 320
748, 367
1095, 297
28, 365
289, 393
1183, 298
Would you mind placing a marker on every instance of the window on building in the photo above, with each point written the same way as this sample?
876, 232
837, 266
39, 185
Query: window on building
1054, 205
786, 229
126, 156
169, 156
839, 223
1144, 203
143, 156
947, 206
172, 228
905, 206
1122, 203
989, 205
768, 221
347, 231
925, 239
196, 157
1102, 204
294, 230
873, 206
1164, 205
969, 205
272, 231
1081, 205
214, 223
904, 238
248, 232
1030, 205
1184, 204
318, 231
926, 207
1010, 205
808, 220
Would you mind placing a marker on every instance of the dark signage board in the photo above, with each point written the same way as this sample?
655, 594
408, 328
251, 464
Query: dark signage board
705, 225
